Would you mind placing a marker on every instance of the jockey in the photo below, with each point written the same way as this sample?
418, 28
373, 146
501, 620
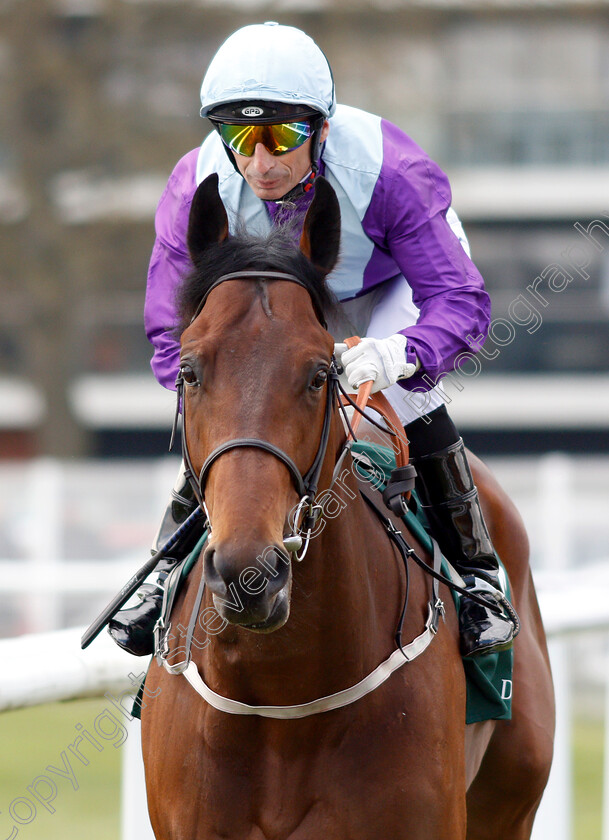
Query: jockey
405, 281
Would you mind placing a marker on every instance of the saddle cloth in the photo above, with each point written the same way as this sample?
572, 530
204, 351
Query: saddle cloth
488, 676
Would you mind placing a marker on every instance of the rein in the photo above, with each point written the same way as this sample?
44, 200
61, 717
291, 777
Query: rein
402, 654
306, 487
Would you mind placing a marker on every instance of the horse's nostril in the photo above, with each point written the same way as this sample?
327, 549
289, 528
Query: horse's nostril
213, 578
263, 577
276, 568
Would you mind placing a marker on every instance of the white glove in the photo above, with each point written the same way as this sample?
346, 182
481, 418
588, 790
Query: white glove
380, 359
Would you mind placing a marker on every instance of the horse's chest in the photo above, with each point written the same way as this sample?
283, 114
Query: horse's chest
299, 803
344, 785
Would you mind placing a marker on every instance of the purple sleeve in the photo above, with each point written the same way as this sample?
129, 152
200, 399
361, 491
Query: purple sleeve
407, 217
168, 264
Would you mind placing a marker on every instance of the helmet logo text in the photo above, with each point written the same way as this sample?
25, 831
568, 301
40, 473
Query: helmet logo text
252, 111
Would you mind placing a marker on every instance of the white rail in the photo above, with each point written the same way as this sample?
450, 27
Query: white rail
564, 503
42, 668
45, 667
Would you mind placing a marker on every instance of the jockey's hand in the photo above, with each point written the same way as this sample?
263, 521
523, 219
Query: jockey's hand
380, 359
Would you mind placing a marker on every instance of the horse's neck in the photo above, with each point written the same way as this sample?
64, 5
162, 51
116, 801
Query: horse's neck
348, 577
351, 570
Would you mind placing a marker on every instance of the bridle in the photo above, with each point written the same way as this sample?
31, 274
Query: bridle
305, 519
306, 485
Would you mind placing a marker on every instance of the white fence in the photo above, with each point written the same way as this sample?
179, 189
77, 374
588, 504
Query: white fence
42, 668
49, 581
45, 667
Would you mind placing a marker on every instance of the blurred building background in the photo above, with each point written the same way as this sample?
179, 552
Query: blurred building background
100, 99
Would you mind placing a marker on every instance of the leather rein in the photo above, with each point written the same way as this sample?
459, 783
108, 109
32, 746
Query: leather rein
307, 514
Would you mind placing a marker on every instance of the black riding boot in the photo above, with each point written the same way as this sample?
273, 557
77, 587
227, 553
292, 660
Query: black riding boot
132, 629
450, 500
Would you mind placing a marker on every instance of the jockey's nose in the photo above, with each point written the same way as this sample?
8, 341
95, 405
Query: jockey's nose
245, 582
263, 159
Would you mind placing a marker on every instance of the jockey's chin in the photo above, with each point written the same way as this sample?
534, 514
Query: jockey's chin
271, 177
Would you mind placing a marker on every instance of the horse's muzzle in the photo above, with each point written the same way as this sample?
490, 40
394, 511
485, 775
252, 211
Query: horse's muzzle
252, 594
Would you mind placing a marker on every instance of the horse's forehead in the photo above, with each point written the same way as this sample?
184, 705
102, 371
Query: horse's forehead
243, 294
282, 309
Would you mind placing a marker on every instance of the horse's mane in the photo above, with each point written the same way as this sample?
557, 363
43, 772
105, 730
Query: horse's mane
275, 252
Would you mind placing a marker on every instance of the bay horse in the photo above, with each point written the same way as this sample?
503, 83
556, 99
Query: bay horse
398, 763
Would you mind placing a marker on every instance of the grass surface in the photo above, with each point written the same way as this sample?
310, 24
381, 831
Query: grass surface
34, 739
587, 780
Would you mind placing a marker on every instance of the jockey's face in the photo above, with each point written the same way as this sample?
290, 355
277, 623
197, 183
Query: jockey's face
272, 176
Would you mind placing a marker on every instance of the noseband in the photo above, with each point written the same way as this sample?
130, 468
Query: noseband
305, 485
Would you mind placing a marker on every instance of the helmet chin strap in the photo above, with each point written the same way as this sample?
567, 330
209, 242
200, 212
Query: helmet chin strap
300, 189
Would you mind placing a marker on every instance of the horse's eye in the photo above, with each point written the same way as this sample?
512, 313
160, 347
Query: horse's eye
189, 376
319, 380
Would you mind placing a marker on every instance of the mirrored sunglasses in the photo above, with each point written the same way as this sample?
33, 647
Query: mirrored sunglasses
277, 139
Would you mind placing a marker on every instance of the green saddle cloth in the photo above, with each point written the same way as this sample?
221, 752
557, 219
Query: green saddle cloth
488, 676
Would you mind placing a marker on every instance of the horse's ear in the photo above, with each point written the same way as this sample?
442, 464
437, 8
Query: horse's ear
207, 222
320, 240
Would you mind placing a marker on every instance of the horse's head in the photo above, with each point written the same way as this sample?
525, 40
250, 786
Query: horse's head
255, 360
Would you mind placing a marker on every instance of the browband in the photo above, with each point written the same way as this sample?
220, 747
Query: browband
258, 275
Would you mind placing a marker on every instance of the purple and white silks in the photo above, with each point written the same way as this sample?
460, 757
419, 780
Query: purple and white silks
404, 263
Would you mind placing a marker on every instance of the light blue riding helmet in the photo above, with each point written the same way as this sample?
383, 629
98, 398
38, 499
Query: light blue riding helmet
269, 62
